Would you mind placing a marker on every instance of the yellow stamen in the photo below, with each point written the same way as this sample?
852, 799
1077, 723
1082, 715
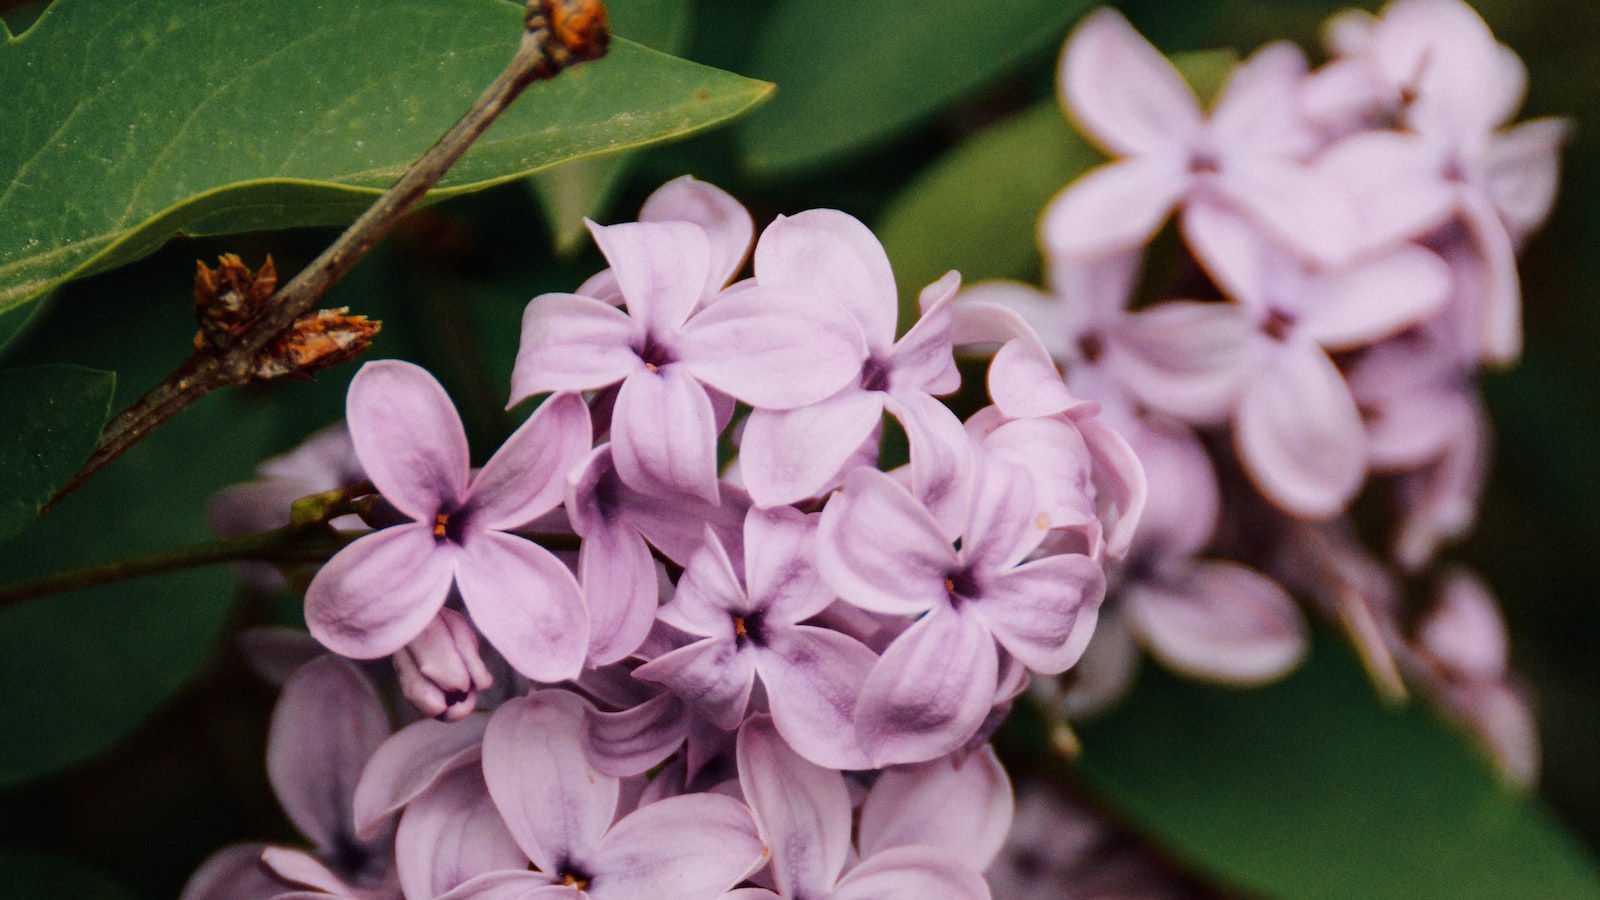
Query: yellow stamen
738, 627
439, 523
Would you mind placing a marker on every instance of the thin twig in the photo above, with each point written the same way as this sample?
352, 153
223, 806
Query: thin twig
557, 33
290, 544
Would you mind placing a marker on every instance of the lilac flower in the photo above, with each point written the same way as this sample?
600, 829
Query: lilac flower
768, 347
440, 671
804, 814
561, 813
325, 726
790, 455
812, 675
376, 595
1248, 152
883, 551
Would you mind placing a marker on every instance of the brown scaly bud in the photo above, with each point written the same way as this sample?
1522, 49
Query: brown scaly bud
227, 298
316, 341
579, 30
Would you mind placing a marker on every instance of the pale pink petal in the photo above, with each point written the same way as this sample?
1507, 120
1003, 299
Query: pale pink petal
1123, 92
526, 603
1376, 298
619, 585
923, 360
1114, 208
1057, 462
911, 873
377, 594
664, 435
1439, 501
812, 677
1034, 609
1522, 168
780, 564
522, 885
790, 455
802, 809
1396, 182
1182, 504
993, 312
961, 805
410, 762
708, 594
1256, 112
1121, 486
662, 268
1465, 630
941, 457
1218, 620
527, 476
452, 834
930, 691
635, 740
710, 675
773, 348
1004, 524
726, 223
573, 343
881, 549
232, 873
553, 801
408, 437
1499, 299
301, 869
1304, 208
1187, 358
830, 255
1024, 383
1299, 434
681, 848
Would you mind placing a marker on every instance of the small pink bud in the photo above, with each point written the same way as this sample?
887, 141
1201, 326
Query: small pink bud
441, 671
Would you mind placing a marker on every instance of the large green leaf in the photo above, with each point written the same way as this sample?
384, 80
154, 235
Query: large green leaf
50, 418
128, 122
1310, 788
851, 74
585, 187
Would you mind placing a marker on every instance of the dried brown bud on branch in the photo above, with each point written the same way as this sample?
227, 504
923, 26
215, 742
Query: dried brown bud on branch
228, 298
316, 341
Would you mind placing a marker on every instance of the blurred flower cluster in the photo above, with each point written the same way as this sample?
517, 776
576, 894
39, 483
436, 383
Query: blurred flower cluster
698, 629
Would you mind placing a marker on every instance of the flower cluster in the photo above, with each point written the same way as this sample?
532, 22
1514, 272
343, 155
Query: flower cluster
696, 687
1348, 236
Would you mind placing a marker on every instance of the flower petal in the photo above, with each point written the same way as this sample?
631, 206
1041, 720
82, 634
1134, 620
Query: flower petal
633, 741
831, 255
408, 437
1218, 620
911, 872
726, 223
789, 455
803, 811
773, 348
923, 359
232, 873
961, 805
1113, 208
553, 801
930, 691
880, 548
1376, 298
813, 677
452, 834
1034, 609
527, 476
662, 268
527, 603
780, 565
941, 457
711, 675
1123, 91
1186, 358
573, 343
1299, 433
664, 434
681, 848
410, 762
377, 594
619, 586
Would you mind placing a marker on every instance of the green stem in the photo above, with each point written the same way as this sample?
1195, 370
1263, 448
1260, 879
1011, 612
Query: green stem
282, 545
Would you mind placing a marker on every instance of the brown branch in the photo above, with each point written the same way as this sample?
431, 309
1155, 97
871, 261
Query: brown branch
556, 34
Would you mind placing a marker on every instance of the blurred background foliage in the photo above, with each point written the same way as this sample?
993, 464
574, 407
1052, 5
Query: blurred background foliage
134, 740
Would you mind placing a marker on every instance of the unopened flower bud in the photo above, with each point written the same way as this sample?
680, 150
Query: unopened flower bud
441, 671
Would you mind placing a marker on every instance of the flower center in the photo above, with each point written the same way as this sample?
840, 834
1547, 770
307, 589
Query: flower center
653, 354
874, 375
961, 586
750, 628
1277, 324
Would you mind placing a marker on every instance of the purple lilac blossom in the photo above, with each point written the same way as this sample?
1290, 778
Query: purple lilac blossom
379, 593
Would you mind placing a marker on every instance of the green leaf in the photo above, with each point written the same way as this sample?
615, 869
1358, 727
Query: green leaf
585, 187
1310, 788
32, 875
852, 74
128, 122
975, 209
50, 418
